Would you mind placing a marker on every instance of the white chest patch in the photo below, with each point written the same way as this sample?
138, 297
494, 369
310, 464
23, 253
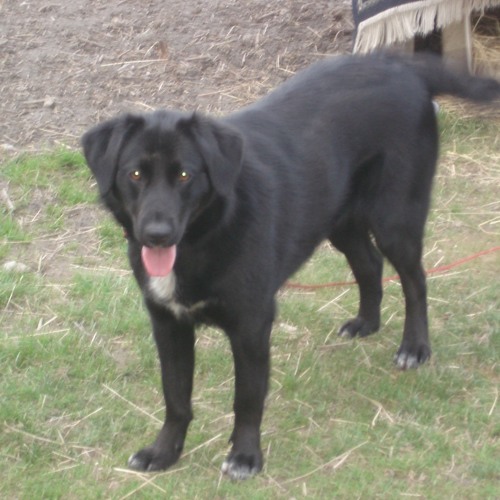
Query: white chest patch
162, 290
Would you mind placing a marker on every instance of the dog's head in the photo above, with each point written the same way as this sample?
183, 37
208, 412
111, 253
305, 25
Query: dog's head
158, 172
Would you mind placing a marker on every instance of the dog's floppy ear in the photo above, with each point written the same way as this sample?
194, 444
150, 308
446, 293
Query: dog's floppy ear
102, 145
221, 147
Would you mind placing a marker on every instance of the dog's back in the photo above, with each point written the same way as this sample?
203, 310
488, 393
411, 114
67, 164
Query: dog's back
337, 136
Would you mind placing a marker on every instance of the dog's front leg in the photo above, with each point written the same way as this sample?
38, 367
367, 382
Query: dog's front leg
175, 343
251, 361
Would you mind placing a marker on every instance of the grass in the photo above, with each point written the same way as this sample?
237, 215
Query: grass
80, 388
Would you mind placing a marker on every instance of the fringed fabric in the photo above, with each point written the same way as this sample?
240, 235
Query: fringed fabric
401, 23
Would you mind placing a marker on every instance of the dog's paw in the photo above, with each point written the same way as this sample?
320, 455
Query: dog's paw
239, 466
150, 460
406, 359
357, 327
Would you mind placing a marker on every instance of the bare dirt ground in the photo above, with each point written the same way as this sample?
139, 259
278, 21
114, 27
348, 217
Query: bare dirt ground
65, 65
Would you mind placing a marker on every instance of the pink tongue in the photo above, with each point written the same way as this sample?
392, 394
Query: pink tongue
158, 261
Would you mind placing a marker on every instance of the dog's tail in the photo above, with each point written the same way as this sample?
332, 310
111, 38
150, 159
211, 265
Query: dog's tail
441, 80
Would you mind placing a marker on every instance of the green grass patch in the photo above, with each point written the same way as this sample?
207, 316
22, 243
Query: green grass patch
80, 385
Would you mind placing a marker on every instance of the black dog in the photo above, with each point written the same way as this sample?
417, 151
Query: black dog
220, 212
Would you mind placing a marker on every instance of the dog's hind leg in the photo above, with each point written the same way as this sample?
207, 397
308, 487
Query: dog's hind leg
366, 263
401, 243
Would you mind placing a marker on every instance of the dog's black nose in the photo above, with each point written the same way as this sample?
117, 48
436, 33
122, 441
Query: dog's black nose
157, 234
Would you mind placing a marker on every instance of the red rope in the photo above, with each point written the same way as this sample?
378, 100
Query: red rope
434, 270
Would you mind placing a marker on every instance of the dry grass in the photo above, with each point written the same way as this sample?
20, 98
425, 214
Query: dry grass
486, 44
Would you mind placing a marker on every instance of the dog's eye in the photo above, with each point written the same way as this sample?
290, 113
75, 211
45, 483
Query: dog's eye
135, 175
184, 176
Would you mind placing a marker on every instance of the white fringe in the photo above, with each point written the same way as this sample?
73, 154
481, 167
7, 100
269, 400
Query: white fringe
420, 17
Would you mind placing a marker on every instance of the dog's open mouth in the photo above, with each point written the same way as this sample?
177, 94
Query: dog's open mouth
158, 261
